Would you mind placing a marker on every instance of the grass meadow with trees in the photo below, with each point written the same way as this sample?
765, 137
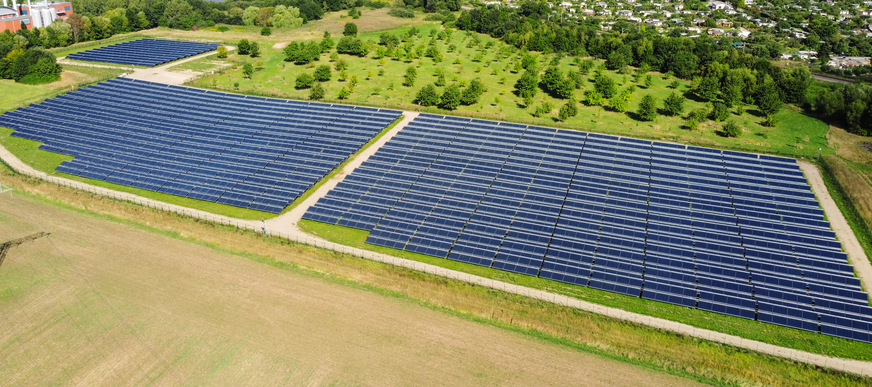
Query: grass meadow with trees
437, 69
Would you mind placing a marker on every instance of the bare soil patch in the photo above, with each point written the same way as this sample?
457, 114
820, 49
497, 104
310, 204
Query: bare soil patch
99, 302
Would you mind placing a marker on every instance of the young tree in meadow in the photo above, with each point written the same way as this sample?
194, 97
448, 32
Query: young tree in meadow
768, 97
248, 70
450, 99
720, 112
570, 109
350, 29
304, 81
322, 73
708, 87
242, 47
254, 50
605, 85
674, 104
593, 98
327, 43
472, 92
732, 129
619, 103
527, 85
648, 108
316, 92
222, 52
427, 96
409, 78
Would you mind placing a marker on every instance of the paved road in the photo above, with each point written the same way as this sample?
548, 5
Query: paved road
285, 226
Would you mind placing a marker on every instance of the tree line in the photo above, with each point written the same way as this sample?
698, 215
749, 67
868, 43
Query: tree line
719, 72
26, 63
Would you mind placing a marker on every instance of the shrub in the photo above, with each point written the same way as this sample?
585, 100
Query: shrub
222, 52
472, 92
304, 81
570, 109
674, 104
302, 53
352, 46
402, 13
343, 93
427, 96
265, 31
450, 99
648, 108
732, 129
350, 29
322, 73
719, 111
409, 78
254, 50
242, 47
317, 92
605, 86
543, 109
593, 98
691, 123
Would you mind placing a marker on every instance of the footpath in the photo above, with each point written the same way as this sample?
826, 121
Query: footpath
285, 226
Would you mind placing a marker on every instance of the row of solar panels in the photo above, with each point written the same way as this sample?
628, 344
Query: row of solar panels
201, 98
144, 52
261, 167
759, 248
699, 193
191, 139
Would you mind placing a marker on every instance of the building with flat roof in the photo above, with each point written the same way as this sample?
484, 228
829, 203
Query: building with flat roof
30, 16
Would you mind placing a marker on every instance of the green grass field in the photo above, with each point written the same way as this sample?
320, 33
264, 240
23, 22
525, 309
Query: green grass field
768, 333
14, 95
380, 84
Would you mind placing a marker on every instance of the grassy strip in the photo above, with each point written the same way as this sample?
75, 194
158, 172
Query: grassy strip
855, 221
341, 166
657, 350
767, 333
14, 95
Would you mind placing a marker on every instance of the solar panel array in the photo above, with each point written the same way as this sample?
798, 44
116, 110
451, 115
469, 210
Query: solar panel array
144, 52
243, 151
721, 231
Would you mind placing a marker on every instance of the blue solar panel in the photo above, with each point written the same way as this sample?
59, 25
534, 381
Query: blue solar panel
144, 52
703, 228
160, 148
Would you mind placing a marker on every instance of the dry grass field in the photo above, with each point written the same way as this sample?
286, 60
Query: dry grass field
853, 167
100, 302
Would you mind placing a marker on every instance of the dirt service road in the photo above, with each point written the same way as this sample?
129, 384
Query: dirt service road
99, 302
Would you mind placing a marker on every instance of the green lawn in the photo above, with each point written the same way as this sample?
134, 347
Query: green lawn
796, 134
14, 95
768, 333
